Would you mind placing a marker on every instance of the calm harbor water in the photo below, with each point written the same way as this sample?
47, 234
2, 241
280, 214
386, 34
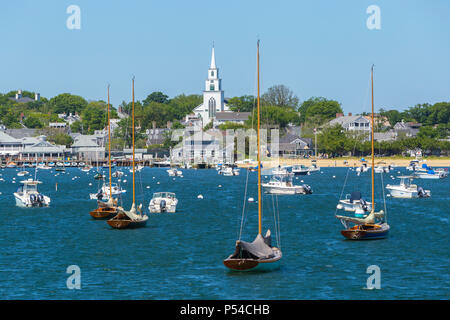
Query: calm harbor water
179, 256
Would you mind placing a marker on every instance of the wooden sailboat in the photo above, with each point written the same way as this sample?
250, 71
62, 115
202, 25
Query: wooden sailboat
374, 226
107, 209
259, 254
129, 219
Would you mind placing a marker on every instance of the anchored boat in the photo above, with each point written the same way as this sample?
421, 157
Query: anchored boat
163, 202
406, 189
28, 195
374, 225
129, 219
259, 254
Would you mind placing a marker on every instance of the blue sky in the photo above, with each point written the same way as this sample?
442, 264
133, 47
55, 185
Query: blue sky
316, 48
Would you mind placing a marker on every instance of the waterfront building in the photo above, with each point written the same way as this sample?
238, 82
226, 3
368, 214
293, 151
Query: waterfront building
42, 150
9, 146
210, 147
86, 147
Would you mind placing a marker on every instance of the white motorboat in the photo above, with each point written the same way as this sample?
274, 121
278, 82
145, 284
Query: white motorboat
163, 163
137, 168
381, 169
117, 174
300, 170
313, 167
407, 190
284, 186
355, 203
116, 190
363, 168
86, 168
163, 202
28, 195
229, 171
43, 166
23, 173
281, 171
413, 165
430, 174
173, 172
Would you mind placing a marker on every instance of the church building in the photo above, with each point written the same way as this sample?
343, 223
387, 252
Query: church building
213, 96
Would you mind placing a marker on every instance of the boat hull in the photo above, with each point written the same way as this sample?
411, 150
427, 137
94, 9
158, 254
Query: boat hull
252, 265
121, 221
356, 233
103, 213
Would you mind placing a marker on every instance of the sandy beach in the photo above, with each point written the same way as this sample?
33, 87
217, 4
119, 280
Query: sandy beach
353, 162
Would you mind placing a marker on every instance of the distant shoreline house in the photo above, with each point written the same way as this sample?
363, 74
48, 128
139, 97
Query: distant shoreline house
21, 99
352, 123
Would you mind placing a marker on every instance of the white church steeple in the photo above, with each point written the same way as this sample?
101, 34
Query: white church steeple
213, 60
213, 95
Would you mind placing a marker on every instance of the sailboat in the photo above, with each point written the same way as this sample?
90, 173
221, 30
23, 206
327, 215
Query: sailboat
106, 209
374, 225
129, 219
259, 254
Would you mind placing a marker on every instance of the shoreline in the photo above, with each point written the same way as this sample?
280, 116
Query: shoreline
351, 162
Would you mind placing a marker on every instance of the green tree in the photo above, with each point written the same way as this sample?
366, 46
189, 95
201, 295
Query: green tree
94, 116
242, 104
156, 96
33, 121
67, 103
323, 110
280, 96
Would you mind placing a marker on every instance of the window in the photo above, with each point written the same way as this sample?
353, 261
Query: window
211, 87
212, 73
212, 107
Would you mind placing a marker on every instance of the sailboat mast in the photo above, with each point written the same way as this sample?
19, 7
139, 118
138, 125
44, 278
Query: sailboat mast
109, 149
259, 157
132, 121
373, 155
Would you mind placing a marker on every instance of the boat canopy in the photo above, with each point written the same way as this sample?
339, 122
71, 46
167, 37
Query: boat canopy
164, 195
260, 248
370, 219
30, 182
356, 195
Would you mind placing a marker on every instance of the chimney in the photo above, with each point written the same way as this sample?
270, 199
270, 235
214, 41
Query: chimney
154, 125
37, 97
19, 94
339, 115
169, 124
349, 114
